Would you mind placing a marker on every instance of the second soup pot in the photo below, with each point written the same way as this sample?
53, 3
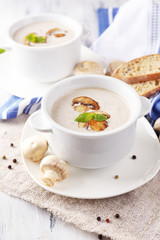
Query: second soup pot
49, 63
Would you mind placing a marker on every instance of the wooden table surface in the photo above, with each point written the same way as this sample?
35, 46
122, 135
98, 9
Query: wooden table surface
20, 220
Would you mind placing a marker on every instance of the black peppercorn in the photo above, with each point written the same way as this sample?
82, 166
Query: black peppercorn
134, 157
117, 215
100, 236
11, 145
15, 160
99, 219
9, 166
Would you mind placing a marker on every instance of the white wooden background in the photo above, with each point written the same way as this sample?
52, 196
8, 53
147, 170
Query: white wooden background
20, 220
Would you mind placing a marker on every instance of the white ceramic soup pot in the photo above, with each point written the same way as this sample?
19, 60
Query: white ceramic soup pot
96, 149
49, 63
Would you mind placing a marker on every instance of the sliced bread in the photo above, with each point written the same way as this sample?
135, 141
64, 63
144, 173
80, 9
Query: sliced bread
147, 89
138, 70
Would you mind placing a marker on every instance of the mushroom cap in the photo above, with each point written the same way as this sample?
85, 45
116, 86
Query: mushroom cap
57, 32
52, 31
115, 64
35, 147
89, 102
88, 67
52, 162
97, 125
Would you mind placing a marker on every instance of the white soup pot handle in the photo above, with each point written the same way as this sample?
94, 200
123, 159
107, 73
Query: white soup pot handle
145, 107
38, 122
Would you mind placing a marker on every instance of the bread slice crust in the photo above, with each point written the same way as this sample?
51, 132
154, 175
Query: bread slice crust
147, 89
146, 68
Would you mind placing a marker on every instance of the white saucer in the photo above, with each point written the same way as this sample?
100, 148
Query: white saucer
27, 88
100, 183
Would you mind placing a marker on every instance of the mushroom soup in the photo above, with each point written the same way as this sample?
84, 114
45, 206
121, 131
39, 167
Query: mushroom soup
91, 110
42, 34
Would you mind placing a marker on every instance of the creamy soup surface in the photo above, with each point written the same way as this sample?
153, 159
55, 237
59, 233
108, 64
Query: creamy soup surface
41, 29
64, 114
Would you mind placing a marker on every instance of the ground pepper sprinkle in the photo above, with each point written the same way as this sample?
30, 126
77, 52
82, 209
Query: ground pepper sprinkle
15, 160
9, 166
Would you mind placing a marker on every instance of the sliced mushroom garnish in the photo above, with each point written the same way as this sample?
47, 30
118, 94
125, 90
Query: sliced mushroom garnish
97, 126
81, 108
26, 42
51, 32
96, 123
85, 101
83, 124
57, 32
38, 39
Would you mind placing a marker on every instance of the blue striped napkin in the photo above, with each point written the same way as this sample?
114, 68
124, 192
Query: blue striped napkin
12, 106
106, 18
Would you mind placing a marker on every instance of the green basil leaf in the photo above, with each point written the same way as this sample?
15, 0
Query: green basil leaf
84, 117
31, 37
40, 39
99, 117
35, 39
2, 50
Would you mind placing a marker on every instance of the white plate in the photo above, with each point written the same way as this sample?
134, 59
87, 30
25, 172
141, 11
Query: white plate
25, 87
100, 183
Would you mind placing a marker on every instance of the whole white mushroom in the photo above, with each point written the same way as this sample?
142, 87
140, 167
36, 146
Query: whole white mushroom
157, 125
54, 169
35, 147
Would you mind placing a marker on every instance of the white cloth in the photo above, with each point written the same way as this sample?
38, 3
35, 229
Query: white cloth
134, 32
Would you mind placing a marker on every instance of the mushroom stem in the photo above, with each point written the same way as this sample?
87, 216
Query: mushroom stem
49, 178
